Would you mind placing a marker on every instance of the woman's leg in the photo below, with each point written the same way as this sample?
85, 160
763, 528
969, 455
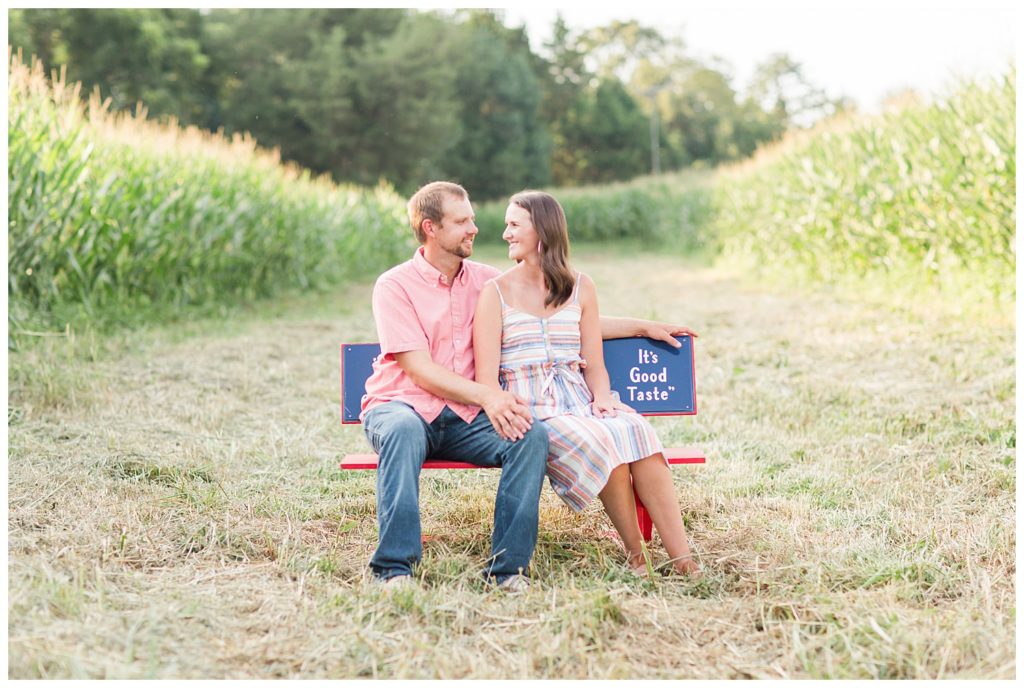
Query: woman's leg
617, 497
653, 481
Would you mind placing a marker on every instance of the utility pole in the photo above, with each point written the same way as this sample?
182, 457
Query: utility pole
653, 92
655, 159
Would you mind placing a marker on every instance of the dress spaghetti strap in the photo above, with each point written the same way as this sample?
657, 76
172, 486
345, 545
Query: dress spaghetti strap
500, 297
576, 288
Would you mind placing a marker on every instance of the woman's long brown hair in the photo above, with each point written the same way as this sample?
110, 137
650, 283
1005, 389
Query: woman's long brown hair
549, 220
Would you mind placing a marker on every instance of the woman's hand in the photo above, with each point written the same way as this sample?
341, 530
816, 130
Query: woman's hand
609, 407
666, 332
615, 328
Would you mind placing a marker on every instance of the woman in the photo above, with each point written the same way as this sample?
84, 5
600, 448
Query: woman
537, 333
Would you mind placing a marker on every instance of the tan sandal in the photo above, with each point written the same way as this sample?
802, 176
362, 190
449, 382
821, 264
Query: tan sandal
640, 571
691, 568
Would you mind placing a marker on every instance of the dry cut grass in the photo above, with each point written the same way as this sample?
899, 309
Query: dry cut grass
176, 511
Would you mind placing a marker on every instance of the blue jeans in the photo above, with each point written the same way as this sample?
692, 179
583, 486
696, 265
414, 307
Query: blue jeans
404, 440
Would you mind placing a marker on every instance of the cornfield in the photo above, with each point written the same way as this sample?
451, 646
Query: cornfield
927, 192
672, 209
114, 210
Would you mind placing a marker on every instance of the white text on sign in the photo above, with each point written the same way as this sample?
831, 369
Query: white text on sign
636, 375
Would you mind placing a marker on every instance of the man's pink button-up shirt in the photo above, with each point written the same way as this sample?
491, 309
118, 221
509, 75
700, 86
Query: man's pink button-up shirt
417, 310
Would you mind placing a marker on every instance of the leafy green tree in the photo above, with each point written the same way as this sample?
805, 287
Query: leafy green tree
566, 81
620, 48
504, 145
753, 127
361, 94
614, 134
405, 97
599, 130
636, 58
700, 117
255, 56
780, 87
38, 33
321, 88
152, 56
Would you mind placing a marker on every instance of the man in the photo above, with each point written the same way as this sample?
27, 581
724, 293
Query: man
422, 401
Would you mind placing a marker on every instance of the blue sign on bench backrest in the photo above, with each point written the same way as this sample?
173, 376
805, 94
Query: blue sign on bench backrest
651, 376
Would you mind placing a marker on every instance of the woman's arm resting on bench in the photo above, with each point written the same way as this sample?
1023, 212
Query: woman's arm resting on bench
617, 328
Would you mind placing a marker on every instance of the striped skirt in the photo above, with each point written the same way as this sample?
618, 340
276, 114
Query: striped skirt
583, 449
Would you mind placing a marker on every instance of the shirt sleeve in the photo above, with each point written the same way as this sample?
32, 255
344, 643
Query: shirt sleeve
398, 325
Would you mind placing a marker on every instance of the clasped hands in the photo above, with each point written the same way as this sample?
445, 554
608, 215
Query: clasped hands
509, 414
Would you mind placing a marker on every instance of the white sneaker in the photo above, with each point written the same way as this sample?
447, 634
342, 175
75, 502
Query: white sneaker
399, 582
515, 584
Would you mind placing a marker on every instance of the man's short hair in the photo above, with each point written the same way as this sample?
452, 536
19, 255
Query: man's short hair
428, 204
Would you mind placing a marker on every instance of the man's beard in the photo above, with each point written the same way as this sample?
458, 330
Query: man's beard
461, 250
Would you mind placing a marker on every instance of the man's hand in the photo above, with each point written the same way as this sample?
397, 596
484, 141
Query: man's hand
665, 332
508, 413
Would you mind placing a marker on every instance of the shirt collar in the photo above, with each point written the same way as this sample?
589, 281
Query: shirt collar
431, 274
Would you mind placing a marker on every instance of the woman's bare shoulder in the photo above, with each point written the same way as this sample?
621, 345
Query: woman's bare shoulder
509, 278
586, 283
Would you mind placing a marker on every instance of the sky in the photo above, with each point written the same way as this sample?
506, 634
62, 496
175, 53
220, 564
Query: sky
865, 51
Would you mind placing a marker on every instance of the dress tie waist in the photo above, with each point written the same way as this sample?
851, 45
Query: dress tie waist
548, 369
556, 368
549, 378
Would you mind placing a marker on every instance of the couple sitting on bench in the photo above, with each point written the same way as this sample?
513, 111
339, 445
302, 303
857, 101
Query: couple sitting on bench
457, 337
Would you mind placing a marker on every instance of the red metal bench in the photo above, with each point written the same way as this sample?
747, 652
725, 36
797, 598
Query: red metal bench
650, 376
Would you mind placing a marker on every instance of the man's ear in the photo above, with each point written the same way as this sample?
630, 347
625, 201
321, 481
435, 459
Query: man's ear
428, 227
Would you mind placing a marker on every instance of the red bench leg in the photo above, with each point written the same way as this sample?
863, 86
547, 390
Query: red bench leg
643, 518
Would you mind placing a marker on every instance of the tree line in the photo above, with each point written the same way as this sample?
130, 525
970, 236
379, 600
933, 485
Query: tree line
406, 96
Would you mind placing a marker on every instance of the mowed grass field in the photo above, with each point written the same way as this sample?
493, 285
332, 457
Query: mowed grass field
176, 510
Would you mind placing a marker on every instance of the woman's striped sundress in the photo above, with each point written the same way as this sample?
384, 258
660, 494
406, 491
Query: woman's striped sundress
541, 362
